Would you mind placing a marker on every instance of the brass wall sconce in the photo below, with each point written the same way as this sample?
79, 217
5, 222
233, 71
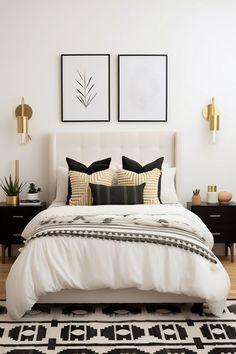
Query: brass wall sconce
23, 114
211, 113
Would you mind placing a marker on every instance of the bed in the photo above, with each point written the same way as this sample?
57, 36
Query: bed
66, 260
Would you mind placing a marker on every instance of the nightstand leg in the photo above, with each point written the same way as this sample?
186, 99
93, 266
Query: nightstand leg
232, 252
3, 254
9, 250
226, 249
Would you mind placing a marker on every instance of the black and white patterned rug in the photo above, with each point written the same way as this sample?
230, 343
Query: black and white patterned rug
118, 329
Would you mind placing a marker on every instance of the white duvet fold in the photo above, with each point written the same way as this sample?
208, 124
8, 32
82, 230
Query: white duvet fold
50, 264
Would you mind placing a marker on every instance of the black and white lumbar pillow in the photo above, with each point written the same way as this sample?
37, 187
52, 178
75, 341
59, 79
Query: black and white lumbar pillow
117, 194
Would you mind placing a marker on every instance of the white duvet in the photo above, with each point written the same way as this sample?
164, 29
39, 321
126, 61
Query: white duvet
50, 264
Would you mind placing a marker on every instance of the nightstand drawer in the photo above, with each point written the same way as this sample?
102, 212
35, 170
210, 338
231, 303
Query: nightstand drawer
14, 239
220, 220
13, 220
217, 226
223, 237
7, 237
16, 222
217, 215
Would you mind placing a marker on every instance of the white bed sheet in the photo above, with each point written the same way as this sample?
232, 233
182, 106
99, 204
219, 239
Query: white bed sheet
48, 264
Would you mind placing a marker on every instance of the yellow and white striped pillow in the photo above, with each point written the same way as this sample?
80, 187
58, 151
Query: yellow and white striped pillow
151, 178
81, 192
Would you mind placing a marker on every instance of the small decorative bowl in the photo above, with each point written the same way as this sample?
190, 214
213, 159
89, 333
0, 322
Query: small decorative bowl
224, 197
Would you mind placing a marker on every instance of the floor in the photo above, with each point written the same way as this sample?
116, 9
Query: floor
229, 266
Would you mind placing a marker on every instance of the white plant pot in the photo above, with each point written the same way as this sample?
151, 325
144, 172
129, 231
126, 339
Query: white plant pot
32, 196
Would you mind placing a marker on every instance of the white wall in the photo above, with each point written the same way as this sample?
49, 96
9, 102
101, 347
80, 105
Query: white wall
198, 36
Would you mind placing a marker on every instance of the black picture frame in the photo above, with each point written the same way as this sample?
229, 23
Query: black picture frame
76, 106
128, 80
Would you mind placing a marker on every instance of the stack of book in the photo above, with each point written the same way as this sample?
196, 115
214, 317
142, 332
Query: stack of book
30, 202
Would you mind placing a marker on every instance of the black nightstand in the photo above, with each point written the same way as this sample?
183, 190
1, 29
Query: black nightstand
13, 220
220, 220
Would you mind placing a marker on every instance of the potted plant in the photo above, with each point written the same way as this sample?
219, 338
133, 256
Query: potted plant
12, 189
33, 192
196, 198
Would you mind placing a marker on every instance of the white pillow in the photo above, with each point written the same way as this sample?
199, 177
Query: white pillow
61, 184
115, 166
168, 191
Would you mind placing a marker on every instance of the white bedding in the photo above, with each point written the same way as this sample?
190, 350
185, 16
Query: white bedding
50, 264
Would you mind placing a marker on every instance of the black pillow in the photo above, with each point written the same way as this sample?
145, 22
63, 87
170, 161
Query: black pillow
117, 194
134, 166
96, 166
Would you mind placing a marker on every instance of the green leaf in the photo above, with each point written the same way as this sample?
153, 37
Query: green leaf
11, 187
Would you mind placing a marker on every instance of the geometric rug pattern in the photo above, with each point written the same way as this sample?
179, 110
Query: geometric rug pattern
119, 329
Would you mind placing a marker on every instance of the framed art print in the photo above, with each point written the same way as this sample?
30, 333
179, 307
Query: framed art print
142, 88
85, 87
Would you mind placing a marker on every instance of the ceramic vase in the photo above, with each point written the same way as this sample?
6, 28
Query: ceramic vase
32, 196
11, 199
196, 199
224, 197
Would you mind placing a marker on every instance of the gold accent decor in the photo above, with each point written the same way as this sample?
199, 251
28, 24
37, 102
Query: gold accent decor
212, 195
11, 200
212, 188
211, 113
23, 114
22, 124
17, 174
17, 170
24, 110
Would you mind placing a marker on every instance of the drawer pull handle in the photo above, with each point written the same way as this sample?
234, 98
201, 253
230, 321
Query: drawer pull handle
18, 216
216, 233
16, 235
215, 216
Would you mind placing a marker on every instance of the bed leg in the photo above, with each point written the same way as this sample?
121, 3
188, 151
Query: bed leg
198, 308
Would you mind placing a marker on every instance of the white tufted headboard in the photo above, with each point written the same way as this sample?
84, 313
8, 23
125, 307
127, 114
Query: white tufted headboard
90, 146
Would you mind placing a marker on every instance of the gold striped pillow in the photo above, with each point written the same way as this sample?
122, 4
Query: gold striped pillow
81, 192
151, 178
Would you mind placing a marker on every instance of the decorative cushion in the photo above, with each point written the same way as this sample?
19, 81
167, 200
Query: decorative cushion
61, 184
151, 178
117, 194
81, 192
168, 190
96, 166
132, 165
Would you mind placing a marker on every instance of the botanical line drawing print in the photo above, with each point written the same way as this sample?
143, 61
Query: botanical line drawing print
85, 90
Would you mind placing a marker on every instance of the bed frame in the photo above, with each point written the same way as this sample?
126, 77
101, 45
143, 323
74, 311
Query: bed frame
87, 147
90, 146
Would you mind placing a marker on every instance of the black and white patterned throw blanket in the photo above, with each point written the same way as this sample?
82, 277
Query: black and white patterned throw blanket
126, 228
